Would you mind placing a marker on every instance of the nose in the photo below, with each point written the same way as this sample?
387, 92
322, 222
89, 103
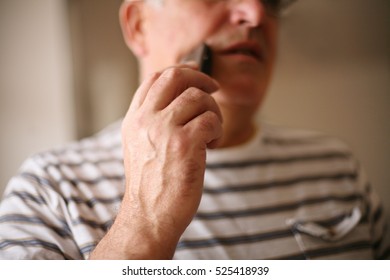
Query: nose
249, 13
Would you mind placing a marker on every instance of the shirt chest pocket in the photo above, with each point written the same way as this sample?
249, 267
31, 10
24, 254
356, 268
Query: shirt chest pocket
342, 236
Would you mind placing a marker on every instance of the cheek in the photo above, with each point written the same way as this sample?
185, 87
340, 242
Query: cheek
189, 38
203, 24
213, 27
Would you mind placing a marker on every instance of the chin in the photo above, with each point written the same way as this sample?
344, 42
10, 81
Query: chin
239, 97
245, 91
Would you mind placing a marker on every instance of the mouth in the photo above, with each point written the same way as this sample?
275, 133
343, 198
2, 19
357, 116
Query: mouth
248, 49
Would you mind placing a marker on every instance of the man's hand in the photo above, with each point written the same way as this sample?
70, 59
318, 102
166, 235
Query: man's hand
170, 123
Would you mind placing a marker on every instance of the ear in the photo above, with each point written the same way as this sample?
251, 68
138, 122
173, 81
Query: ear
131, 20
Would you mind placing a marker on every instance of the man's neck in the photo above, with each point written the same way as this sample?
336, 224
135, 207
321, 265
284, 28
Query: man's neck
238, 126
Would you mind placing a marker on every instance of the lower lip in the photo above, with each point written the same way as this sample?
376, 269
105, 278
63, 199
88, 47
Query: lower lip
242, 57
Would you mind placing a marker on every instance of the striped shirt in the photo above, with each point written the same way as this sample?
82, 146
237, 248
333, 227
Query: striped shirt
286, 194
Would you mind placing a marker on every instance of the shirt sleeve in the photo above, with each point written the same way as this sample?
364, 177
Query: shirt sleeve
376, 217
33, 217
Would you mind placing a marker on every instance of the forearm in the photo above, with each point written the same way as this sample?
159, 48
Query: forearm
132, 239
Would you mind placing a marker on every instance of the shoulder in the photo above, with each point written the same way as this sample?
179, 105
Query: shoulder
104, 145
84, 161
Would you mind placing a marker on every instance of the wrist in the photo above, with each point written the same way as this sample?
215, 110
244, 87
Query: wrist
133, 237
144, 239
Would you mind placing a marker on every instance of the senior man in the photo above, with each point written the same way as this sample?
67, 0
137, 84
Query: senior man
189, 174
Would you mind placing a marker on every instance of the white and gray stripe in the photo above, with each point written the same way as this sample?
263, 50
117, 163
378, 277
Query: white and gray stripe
62, 202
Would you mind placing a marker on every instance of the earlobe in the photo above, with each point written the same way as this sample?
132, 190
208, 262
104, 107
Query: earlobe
131, 20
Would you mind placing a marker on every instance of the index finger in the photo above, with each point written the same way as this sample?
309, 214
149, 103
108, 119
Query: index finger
175, 80
140, 94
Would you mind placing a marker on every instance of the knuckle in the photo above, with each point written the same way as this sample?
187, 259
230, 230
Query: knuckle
208, 121
140, 124
192, 96
195, 95
179, 143
139, 121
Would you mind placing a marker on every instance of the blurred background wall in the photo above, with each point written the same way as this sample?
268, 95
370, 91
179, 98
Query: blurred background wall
65, 73
36, 83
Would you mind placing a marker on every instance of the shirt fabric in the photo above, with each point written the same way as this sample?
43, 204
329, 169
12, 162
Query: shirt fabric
286, 194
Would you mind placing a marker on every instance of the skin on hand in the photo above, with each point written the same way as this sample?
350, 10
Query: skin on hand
170, 123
